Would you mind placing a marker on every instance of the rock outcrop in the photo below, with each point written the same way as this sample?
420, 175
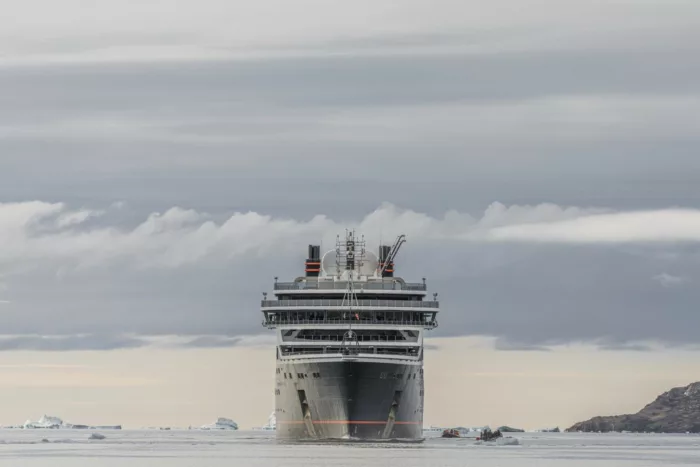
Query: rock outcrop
675, 411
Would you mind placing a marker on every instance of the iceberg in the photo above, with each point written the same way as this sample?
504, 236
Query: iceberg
471, 432
52, 423
221, 424
509, 441
433, 429
271, 424
45, 422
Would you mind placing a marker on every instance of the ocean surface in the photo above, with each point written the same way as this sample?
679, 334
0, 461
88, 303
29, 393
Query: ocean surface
136, 448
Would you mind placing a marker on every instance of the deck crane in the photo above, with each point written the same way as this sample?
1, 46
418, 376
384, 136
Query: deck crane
389, 259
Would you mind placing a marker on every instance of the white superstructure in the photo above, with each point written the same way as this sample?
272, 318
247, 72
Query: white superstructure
350, 306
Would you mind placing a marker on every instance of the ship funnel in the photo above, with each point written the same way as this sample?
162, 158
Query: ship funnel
387, 271
313, 264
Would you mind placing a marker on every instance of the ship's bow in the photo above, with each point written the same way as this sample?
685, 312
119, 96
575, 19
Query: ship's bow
350, 399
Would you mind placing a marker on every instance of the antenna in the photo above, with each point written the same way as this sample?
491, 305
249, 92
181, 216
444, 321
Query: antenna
350, 256
337, 255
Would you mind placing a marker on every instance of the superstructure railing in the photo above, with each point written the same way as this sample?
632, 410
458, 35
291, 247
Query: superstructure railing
274, 320
356, 303
341, 285
399, 351
337, 338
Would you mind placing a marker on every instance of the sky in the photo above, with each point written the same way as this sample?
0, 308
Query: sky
160, 163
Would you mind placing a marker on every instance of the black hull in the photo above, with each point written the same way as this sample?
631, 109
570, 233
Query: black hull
349, 399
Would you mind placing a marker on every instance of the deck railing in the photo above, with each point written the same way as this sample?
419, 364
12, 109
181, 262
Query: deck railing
358, 322
339, 338
349, 350
331, 285
355, 303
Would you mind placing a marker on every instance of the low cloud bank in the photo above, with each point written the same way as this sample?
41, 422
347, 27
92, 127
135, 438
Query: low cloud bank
37, 232
527, 275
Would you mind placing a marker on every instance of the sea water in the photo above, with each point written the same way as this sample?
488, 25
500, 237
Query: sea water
141, 448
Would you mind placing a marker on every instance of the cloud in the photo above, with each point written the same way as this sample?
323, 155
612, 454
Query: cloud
215, 29
106, 342
529, 275
216, 341
37, 233
668, 280
227, 173
69, 343
669, 225
580, 132
512, 345
626, 347
75, 218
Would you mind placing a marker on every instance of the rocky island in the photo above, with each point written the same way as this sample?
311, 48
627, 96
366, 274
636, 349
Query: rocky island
675, 411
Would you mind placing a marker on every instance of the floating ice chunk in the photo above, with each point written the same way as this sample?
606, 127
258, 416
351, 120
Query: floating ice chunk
221, 424
548, 430
50, 422
46, 421
507, 442
271, 424
500, 442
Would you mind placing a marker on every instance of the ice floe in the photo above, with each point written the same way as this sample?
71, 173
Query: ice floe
221, 424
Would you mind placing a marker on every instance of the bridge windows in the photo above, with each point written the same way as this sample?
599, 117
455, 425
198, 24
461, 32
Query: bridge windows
362, 335
353, 316
339, 296
412, 351
409, 351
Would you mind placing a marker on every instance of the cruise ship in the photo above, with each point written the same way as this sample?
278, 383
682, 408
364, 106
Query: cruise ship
350, 346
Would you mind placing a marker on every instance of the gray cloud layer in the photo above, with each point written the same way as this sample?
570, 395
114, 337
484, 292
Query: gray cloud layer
579, 277
443, 128
113, 341
333, 108
70, 342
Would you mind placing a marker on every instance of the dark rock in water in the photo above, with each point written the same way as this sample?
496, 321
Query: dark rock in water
96, 436
488, 435
510, 429
675, 411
